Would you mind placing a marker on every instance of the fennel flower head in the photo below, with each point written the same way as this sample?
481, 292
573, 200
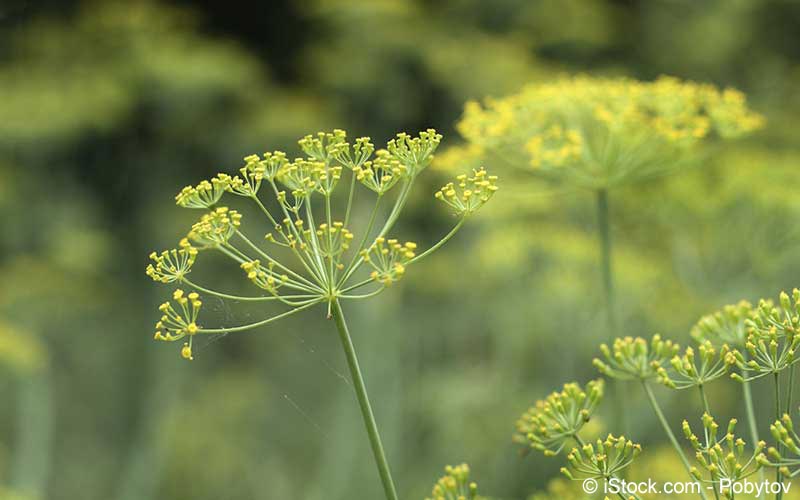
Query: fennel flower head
311, 255
601, 132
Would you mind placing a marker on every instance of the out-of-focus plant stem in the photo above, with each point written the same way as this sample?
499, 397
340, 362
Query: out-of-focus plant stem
148, 452
604, 233
661, 418
32, 452
363, 402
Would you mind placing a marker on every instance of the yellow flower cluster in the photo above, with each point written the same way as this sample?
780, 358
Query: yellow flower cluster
252, 174
789, 455
773, 337
355, 157
215, 227
176, 324
605, 130
689, 371
264, 277
601, 460
726, 326
470, 193
388, 258
204, 195
323, 144
455, 485
551, 423
172, 265
632, 358
317, 271
723, 458
555, 147
299, 176
381, 174
333, 241
415, 152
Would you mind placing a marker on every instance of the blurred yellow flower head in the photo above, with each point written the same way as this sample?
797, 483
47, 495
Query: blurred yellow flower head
598, 132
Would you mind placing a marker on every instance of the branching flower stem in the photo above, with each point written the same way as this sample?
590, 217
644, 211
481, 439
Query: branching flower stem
363, 402
657, 409
244, 298
298, 279
751, 414
306, 193
393, 216
356, 258
263, 322
440, 243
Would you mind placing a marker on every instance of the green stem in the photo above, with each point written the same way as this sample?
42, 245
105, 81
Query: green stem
657, 409
363, 402
748, 404
267, 321
441, 242
604, 234
244, 298
751, 415
704, 399
790, 392
778, 475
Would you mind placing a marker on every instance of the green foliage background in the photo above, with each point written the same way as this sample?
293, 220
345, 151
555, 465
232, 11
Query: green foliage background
109, 108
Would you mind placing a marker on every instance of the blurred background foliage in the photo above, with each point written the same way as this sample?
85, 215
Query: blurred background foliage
109, 108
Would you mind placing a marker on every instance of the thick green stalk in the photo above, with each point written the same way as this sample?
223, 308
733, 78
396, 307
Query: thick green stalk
704, 399
778, 475
363, 402
748, 406
790, 390
604, 233
657, 409
751, 415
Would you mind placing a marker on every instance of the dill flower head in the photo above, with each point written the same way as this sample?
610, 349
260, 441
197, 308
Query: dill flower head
632, 358
599, 132
604, 459
470, 193
172, 265
388, 258
204, 195
314, 253
772, 337
725, 457
455, 485
787, 459
693, 370
216, 227
552, 422
726, 326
